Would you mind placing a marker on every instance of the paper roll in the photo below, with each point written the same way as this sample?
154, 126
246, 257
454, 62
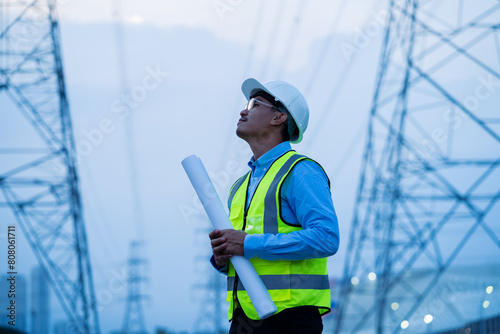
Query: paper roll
203, 186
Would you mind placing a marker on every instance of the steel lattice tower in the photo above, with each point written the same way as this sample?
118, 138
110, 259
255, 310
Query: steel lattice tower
133, 321
38, 175
211, 311
428, 198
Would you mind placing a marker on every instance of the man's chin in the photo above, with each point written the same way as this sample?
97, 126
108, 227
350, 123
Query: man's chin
240, 133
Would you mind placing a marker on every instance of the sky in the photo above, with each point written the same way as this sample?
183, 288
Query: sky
183, 65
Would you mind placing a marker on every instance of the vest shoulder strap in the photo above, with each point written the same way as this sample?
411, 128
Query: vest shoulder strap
235, 187
317, 163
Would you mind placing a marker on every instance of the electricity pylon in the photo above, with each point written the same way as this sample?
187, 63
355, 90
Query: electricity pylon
428, 198
211, 311
133, 321
38, 174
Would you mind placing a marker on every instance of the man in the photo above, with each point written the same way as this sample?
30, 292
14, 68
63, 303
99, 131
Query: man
283, 216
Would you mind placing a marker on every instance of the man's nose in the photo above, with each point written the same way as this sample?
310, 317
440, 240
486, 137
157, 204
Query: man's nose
244, 112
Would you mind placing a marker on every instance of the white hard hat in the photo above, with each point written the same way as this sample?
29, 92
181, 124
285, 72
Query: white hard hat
289, 96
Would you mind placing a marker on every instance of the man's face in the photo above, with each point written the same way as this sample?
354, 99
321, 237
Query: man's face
256, 122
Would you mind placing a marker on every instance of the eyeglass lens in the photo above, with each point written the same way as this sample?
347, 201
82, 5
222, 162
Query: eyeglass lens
250, 104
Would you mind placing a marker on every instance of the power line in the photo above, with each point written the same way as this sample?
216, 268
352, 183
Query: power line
337, 86
246, 69
324, 50
292, 37
134, 321
272, 39
129, 125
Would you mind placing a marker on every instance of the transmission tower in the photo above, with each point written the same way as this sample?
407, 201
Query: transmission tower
212, 309
38, 175
428, 198
133, 321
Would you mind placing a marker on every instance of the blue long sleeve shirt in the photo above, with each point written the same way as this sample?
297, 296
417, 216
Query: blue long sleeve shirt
305, 200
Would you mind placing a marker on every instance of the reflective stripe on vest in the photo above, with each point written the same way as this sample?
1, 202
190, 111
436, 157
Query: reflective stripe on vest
290, 283
294, 281
271, 210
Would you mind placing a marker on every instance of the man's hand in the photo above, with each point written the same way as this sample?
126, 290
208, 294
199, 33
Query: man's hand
218, 248
234, 240
225, 244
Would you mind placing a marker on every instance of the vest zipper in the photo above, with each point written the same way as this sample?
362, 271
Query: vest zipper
245, 212
236, 278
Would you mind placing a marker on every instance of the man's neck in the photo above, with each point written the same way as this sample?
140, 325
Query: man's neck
260, 148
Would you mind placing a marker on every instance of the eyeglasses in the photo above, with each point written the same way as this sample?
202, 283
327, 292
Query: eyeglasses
251, 104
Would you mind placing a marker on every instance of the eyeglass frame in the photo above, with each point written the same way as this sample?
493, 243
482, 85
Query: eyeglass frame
254, 99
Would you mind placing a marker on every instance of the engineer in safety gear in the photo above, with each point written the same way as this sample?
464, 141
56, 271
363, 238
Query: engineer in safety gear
283, 217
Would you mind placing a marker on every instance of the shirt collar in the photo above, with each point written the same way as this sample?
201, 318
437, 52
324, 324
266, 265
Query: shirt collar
270, 156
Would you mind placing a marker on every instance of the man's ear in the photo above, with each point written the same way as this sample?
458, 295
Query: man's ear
279, 119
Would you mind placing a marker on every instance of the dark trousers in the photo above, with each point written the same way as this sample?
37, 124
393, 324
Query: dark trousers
300, 320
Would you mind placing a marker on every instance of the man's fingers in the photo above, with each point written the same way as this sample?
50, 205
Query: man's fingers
214, 234
219, 249
217, 242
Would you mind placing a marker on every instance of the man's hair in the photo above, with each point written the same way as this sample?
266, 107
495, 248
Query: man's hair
284, 129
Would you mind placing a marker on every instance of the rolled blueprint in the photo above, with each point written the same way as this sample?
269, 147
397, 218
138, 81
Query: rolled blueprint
203, 186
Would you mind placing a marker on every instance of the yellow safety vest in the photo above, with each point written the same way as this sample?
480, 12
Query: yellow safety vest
290, 283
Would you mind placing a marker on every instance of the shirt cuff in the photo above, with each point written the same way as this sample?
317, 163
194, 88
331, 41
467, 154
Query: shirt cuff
253, 245
223, 270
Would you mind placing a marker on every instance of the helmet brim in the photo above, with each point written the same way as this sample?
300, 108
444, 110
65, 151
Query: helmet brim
251, 86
